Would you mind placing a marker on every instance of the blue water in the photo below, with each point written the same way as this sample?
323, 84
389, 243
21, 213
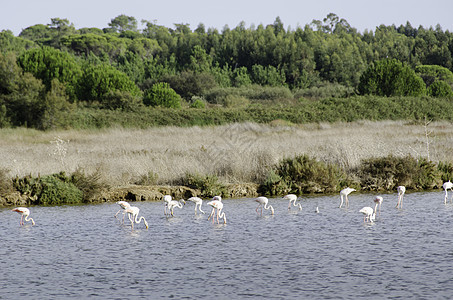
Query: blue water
84, 252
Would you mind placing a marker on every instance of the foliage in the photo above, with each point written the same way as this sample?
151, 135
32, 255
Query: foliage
208, 185
190, 84
390, 77
433, 73
161, 94
47, 64
446, 171
303, 174
389, 172
440, 89
122, 100
99, 80
49, 190
55, 191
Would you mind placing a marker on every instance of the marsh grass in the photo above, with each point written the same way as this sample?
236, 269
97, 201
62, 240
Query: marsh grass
240, 152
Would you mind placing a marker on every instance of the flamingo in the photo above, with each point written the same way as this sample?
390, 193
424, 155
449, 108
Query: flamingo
401, 190
263, 202
292, 199
317, 210
132, 213
344, 193
173, 203
378, 201
123, 205
25, 212
217, 204
167, 199
198, 202
447, 186
369, 214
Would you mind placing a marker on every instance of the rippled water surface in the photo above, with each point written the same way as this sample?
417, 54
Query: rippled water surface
84, 252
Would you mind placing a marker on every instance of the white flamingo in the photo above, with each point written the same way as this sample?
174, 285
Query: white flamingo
263, 202
123, 205
198, 202
292, 199
167, 199
378, 201
215, 198
369, 214
25, 213
447, 186
132, 213
401, 190
173, 203
217, 205
344, 194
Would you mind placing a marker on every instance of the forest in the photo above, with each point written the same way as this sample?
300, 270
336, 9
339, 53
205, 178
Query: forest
54, 76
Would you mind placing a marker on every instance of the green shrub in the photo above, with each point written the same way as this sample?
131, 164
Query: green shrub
303, 175
161, 94
386, 173
274, 185
55, 191
208, 185
440, 89
197, 103
445, 170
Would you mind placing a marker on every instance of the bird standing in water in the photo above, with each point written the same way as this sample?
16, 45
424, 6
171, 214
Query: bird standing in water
292, 199
263, 202
344, 194
401, 190
25, 213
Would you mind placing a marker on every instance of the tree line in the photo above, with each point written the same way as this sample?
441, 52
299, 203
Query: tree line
47, 71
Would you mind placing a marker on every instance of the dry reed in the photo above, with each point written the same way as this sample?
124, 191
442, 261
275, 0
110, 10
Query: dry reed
236, 153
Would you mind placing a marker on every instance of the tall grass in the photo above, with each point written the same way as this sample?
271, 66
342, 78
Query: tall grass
235, 153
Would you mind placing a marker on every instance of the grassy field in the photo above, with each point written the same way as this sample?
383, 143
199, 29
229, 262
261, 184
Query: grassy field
236, 153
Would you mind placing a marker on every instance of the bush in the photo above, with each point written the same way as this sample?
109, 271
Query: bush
208, 185
445, 170
386, 173
161, 94
440, 89
390, 77
55, 191
302, 175
149, 178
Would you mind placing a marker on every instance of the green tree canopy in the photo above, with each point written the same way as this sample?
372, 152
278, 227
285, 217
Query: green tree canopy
99, 80
390, 77
47, 63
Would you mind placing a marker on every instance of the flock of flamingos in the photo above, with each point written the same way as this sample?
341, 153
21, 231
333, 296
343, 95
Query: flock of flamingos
217, 206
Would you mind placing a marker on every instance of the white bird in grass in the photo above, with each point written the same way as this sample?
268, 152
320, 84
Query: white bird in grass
401, 190
217, 204
292, 199
344, 194
123, 205
198, 202
167, 199
447, 186
378, 201
132, 213
173, 203
369, 214
263, 202
25, 213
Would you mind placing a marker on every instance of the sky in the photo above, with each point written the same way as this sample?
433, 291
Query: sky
361, 14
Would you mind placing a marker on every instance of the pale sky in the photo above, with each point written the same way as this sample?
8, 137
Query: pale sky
361, 14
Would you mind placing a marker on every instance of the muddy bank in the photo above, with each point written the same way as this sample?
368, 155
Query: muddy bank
139, 193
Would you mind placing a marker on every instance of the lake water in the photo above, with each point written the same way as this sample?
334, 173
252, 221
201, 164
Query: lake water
84, 252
